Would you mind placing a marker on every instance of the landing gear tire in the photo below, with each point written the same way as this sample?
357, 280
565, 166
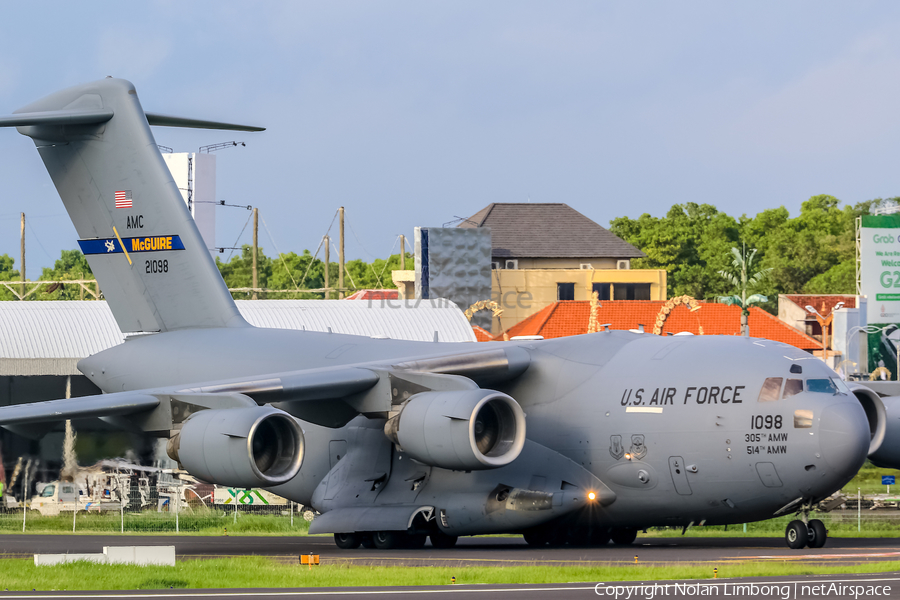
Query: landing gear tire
818, 535
600, 537
367, 541
536, 538
543, 536
796, 535
388, 540
347, 541
586, 536
623, 537
442, 541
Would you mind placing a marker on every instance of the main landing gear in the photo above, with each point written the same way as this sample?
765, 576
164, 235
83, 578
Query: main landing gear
805, 532
557, 536
392, 540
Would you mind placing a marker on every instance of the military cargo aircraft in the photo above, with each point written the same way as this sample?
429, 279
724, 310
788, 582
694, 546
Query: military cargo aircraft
579, 440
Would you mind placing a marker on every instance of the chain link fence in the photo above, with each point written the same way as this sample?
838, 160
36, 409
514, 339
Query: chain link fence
165, 503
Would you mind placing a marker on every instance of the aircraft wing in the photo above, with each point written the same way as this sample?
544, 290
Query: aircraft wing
329, 396
103, 405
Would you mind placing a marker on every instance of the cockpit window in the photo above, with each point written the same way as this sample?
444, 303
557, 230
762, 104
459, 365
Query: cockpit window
822, 386
792, 387
771, 389
841, 386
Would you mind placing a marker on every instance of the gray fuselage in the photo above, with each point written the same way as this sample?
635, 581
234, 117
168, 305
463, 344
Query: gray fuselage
672, 425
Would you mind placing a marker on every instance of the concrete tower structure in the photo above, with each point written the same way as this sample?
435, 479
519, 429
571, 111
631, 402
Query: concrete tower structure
195, 176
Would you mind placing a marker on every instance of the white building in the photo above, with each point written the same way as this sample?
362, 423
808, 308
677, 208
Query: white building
195, 176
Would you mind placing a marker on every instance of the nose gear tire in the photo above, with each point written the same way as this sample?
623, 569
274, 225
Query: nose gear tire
818, 535
796, 535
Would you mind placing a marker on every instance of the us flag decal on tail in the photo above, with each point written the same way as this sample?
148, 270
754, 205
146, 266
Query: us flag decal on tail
123, 199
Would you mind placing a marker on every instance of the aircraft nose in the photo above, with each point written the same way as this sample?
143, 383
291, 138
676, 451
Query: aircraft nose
844, 436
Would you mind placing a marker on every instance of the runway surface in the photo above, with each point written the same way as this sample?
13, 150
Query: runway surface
844, 586
477, 551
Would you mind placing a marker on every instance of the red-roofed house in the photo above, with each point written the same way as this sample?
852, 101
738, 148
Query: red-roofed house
792, 310
481, 334
571, 318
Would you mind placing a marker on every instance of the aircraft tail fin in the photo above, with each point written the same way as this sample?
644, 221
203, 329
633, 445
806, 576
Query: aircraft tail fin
136, 232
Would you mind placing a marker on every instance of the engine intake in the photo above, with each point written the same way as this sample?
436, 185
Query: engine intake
875, 408
463, 430
240, 447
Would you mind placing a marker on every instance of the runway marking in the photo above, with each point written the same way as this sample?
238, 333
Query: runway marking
828, 556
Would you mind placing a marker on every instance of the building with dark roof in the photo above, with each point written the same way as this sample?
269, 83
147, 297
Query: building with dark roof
549, 236
546, 252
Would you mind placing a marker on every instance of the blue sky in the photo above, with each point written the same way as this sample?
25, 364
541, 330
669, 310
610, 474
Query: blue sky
412, 113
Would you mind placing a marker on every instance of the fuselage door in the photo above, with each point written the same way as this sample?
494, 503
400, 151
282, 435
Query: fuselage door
679, 475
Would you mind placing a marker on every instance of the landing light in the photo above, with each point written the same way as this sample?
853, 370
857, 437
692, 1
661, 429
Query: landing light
592, 496
627, 456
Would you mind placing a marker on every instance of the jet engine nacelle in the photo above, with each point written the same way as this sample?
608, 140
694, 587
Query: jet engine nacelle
883, 415
463, 430
240, 447
887, 454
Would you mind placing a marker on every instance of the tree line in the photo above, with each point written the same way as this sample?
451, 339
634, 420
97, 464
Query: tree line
288, 271
812, 253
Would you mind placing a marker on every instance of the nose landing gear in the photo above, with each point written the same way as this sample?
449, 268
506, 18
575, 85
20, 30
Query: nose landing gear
805, 532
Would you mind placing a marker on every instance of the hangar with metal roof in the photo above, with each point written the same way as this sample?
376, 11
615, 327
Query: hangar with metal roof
42, 342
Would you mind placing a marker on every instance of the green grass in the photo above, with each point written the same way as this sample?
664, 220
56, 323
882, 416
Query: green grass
868, 480
214, 522
250, 572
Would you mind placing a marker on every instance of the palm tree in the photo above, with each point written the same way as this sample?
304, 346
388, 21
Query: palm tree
743, 263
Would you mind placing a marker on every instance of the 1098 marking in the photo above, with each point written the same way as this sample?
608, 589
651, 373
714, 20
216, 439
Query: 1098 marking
156, 266
766, 422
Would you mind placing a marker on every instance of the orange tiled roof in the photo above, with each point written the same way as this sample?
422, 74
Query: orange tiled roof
481, 334
570, 317
820, 301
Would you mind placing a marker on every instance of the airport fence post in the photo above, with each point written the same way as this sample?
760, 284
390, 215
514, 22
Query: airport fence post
292, 514
177, 502
24, 494
859, 508
121, 515
74, 512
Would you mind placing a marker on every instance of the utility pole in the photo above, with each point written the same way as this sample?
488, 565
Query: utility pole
824, 322
255, 251
402, 252
22, 262
327, 259
341, 254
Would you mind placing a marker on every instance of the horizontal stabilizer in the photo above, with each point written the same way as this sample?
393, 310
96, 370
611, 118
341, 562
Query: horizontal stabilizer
170, 121
57, 117
103, 405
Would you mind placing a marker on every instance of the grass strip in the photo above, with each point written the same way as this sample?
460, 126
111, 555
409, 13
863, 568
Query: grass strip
259, 572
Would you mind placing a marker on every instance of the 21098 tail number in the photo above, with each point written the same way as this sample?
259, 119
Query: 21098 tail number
156, 266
